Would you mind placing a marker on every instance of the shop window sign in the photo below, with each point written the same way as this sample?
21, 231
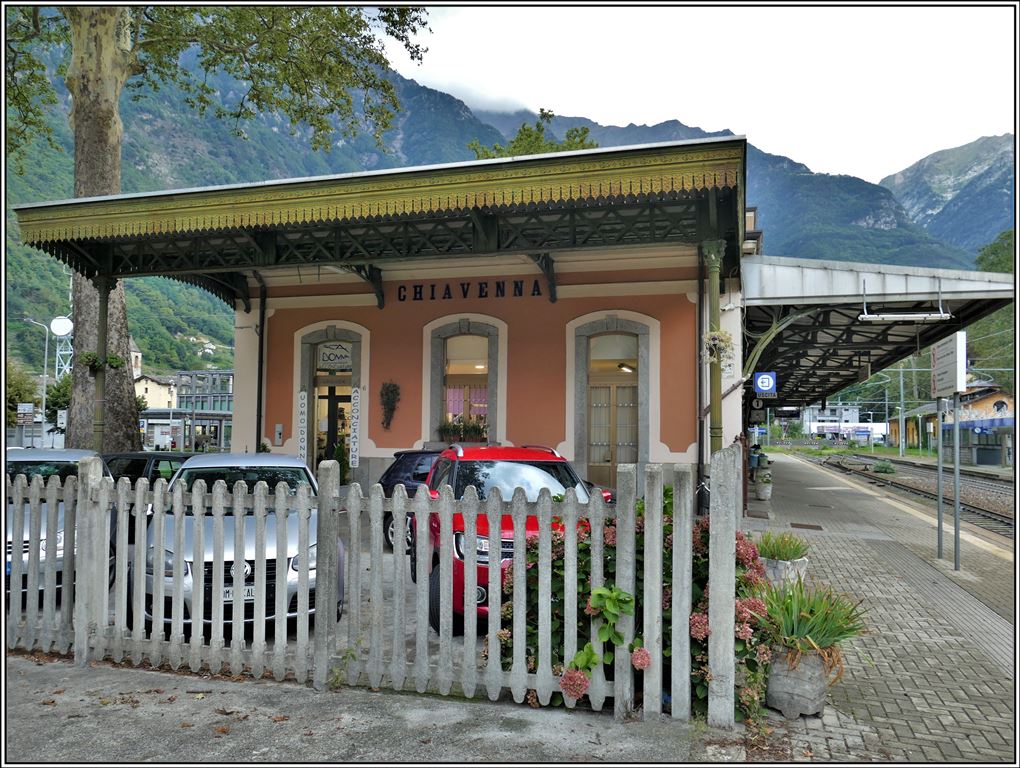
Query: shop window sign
334, 356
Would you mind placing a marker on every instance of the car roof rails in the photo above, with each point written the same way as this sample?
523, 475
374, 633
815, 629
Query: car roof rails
553, 451
458, 448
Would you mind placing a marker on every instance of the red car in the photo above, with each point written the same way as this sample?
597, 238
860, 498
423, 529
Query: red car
529, 467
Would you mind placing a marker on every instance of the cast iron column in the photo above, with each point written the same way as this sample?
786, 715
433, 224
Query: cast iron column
713, 251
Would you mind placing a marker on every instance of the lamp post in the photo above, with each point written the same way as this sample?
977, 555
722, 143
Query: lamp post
46, 363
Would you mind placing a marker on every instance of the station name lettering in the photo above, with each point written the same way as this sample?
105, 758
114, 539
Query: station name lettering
480, 289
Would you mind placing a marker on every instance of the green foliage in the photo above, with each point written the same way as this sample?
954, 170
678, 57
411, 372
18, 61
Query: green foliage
21, 388
449, 432
884, 468
264, 447
58, 398
998, 256
141, 404
990, 341
781, 546
306, 63
532, 140
810, 618
389, 396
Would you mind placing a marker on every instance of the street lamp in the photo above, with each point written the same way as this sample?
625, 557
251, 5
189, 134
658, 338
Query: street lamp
46, 363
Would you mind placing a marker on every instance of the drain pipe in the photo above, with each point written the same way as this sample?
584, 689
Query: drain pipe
261, 331
699, 387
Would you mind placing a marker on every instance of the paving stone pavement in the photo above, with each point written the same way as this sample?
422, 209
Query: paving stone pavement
933, 681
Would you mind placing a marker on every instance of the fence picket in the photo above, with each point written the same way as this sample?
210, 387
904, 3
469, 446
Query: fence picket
598, 688
726, 496
157, 630
102, 566
519, 666
328, 567
15, 614
375, 647
469, 660
444, 675
121, 553
49, 627
353, 585
258, 645
177, 600
651, 619
238, 511
137, 573
423, 565
303, 506
67, 600
683, 523
398, 663
280, 515
623, 679
569, 515
197, 575
34, 545
91, 517
219, 493
544, 685
494, 668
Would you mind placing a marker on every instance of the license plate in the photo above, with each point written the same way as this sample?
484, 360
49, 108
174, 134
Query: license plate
249, 592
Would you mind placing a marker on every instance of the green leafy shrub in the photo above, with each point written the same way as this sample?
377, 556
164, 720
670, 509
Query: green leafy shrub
605, 606
781, 546
884, 468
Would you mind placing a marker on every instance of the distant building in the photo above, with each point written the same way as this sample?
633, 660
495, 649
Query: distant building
198, 417
136, 358
158, 391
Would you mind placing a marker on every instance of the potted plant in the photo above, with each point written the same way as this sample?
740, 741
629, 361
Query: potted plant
806, 627
763, 484
449, 432
783, 556
474, 431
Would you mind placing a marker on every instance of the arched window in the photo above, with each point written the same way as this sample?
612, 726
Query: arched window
466, 379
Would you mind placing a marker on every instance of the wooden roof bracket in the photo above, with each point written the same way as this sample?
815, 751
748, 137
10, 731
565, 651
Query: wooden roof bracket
372, 275
547, 264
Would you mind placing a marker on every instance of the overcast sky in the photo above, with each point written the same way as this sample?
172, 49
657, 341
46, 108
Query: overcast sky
865, 91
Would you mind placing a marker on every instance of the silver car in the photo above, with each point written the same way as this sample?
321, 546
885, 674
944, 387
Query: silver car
46, 463
251, 468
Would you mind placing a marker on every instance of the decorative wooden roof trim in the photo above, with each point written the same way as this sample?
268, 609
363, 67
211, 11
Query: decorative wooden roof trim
548, 179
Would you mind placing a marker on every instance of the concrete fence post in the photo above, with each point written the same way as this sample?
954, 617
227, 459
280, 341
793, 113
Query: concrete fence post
327, 570
725, 501
90, 560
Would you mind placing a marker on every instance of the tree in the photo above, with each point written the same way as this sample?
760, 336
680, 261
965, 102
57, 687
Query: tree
531, 140
990, 341
305, 62
58, 398
141, 403
21, 388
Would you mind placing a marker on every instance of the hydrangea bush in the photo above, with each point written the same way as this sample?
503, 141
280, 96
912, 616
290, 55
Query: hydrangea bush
607, 604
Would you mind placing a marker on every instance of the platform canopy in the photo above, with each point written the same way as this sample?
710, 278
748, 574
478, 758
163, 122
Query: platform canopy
824, 325
682, 193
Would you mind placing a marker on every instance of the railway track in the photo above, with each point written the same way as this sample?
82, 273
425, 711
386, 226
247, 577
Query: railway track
975, 496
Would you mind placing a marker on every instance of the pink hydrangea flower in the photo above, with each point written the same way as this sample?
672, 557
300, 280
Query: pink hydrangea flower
749, 608
609, 535
590, 610
764, 654
641, 658
574, 683
699, 626
743, 631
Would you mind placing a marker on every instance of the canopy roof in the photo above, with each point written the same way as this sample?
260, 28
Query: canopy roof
215, 237
819, 345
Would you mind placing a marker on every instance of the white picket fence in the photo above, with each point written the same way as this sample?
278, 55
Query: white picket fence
384, 638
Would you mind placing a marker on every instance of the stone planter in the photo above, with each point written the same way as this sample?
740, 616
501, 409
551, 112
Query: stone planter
780, 572
798, 691
763, 491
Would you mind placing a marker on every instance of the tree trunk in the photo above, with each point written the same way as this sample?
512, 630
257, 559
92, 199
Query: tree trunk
101, 60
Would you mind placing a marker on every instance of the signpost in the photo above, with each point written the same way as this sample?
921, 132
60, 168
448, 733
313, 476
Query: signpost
765, 384
949, 377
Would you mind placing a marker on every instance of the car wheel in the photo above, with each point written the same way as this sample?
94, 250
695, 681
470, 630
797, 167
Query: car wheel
388, 530
434, 606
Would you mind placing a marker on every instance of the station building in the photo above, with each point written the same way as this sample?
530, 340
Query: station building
561, 300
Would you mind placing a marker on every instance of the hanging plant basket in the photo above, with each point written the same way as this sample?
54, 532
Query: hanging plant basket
718, 346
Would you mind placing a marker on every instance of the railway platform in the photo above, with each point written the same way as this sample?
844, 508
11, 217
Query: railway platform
934, 679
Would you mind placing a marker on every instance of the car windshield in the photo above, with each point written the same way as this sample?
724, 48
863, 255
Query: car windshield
292, 476
45, 469
532, 476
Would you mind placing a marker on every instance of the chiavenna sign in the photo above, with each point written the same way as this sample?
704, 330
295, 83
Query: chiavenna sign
469, 289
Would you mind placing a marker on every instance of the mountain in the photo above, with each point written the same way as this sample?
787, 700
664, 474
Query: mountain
965, 195
168, 146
